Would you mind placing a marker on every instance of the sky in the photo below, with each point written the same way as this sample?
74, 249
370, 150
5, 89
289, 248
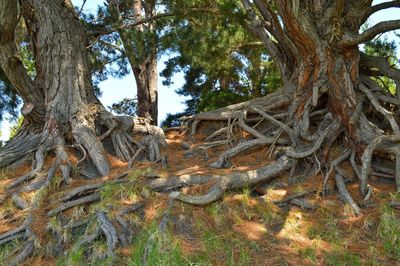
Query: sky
115, 89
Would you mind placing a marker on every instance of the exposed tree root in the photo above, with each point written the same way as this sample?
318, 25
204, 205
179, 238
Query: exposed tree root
295, 196
236, 181
20, 148
387, 143
109, 231
307, 138
345, 195
70, 204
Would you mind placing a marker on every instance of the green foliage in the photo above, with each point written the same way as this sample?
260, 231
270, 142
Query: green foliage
106, 57
232, 251
7, 250
173, 120
27, 59
126, 106
9, 100
77, 256
112, 193
14, 128
308, 253
387, 49
327, 229
221, 62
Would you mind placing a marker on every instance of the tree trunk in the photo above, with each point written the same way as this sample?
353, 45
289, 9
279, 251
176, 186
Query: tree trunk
147, 95
28, 137
316, 67
315, 45
140, 45
62, 71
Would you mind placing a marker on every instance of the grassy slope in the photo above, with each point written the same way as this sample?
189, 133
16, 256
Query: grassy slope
243, 229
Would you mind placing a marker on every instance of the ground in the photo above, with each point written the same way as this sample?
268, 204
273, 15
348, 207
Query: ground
254, 226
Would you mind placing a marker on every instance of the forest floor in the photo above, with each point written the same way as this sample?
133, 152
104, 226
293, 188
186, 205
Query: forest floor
247, 227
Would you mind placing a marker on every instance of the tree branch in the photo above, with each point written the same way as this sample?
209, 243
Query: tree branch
369, 34
378, 7
381, 64
146, 20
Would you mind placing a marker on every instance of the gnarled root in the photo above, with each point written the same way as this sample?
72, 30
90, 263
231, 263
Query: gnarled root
345, 195
20, 147
385, 143
236, 181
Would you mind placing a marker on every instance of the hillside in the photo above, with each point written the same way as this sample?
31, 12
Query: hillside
272, 223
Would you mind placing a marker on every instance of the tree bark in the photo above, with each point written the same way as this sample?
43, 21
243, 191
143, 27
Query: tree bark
61, 70
32, 94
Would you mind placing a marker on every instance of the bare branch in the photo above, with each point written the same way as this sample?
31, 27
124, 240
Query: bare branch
369, 34
378, 7
146, 20
381, 64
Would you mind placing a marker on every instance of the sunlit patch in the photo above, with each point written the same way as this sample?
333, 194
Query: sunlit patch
275, 194
292, 226
188, 170
251, 230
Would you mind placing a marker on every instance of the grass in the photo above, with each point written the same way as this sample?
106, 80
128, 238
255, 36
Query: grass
7, 250
389, 232
308, 253
4, 174
342, 257
223, 245
327, 228
112, 194
163, 248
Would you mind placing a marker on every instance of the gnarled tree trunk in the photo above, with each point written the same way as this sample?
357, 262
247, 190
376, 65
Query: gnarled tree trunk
327, 81
28, 137
61, 111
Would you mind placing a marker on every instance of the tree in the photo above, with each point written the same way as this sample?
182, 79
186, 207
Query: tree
329, 96
139, 42
60, 107
328, 99
228, 65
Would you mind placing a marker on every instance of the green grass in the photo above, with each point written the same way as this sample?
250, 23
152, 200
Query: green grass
308, 253
163, 249
389, 232
229, 248
4, 174
112, 193
327, 229
7, 250
342, 257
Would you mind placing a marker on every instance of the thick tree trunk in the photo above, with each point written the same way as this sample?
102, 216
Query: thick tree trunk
61, 67
28, 137
314, 44
318, 70
31, 93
